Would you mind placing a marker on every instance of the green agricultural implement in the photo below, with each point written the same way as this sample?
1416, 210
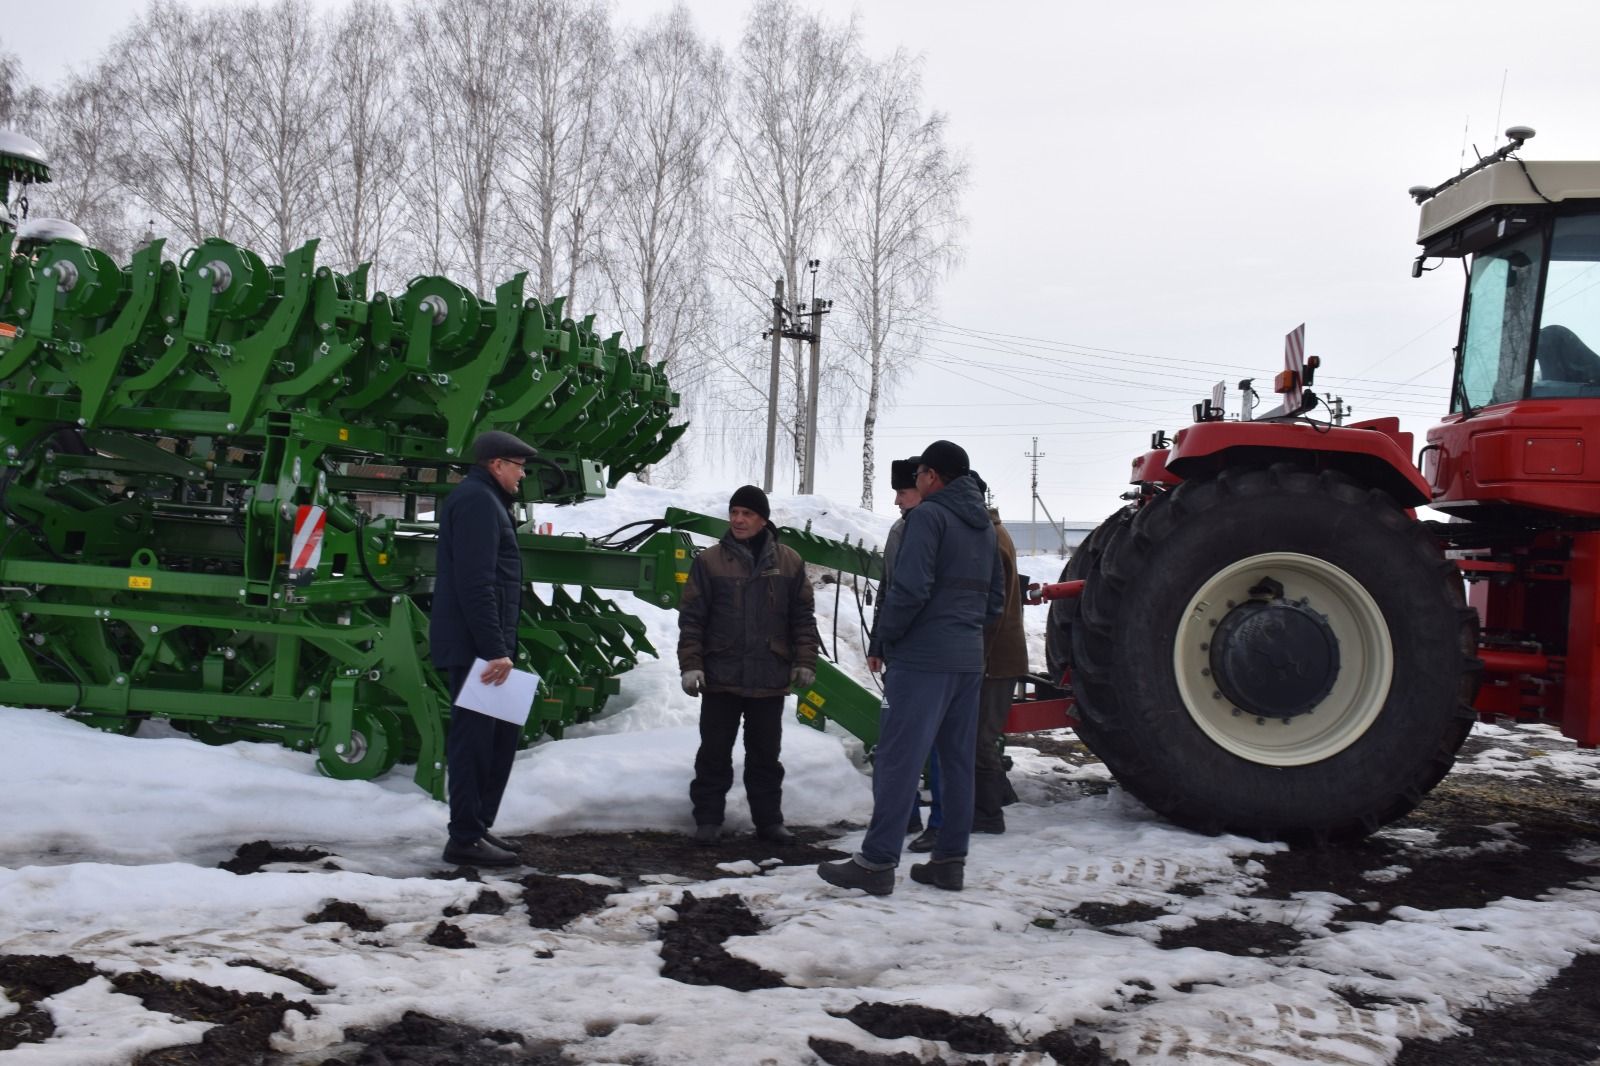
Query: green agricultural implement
218, 470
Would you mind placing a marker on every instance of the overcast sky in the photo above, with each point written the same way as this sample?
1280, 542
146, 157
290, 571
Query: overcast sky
1160, 192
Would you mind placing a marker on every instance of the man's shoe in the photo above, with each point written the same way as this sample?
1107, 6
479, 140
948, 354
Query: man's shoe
941, 873
479, 853
707, 834
774, 834
925, 841
503, 845
847, 873
995, 823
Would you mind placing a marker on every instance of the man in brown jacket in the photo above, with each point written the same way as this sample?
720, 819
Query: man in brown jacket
747, 634
1005, 659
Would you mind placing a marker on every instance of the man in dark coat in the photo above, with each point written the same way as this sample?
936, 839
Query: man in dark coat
947, 586
747, 634
477, 599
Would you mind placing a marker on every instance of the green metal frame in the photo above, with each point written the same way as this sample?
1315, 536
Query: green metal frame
164, 425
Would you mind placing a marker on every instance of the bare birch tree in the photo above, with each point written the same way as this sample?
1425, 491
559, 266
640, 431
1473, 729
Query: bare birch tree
793, 93
464, 55
897, 233
20, 102
666, 137
176, 79
367, 161
285, 127
563, 129
81, 128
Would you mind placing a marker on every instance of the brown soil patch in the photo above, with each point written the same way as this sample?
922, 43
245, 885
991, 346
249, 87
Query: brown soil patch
630, 856
972, 1034
445, 935
554, 901
1235, 936
251, 857
351, 914
1559, 1025
692, 951
418, 1039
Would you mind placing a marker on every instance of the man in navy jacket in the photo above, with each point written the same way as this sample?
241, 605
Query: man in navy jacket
477, 599
947, 586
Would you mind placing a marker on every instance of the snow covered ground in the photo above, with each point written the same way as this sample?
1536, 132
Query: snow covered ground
110, 845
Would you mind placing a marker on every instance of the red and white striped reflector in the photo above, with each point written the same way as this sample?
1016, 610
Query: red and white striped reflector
309, 523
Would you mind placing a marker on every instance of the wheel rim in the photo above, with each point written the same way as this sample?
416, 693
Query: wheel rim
374, 734
1363, 659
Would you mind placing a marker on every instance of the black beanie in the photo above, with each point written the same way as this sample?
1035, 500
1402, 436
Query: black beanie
751, 499
903, 473
948, 460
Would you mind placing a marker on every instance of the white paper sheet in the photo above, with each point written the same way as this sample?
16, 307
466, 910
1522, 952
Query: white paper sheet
509, 701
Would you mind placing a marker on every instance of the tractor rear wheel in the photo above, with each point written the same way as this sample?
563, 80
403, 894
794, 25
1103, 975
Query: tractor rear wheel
1275, 652
1084, 560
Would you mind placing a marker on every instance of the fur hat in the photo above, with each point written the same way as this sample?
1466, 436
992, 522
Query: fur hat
751, 499
903, 473
947, 460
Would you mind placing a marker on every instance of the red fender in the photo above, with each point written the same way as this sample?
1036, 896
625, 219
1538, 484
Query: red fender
1374, 452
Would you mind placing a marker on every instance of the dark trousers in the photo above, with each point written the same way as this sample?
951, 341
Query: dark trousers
923, 711
713, 764
479, 751
989, 778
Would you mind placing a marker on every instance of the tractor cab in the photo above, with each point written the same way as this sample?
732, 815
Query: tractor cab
1528, 353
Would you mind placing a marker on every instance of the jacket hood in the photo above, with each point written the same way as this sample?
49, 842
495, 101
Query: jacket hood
963, 499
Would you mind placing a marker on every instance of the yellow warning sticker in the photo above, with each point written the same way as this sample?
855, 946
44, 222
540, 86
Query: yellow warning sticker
136, 582
383, 558
808, 712
814, 698
344, 434
680, 553
683, 578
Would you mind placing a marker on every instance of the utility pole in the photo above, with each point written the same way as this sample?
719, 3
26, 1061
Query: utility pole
808, 484
772, 382
782, 330
1033, 517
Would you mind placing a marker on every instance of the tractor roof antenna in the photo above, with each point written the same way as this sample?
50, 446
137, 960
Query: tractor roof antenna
1516, 135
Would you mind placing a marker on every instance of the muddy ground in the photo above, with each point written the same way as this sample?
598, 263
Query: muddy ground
1493, 839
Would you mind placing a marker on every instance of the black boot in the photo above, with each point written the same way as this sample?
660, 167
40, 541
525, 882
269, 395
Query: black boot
949, 874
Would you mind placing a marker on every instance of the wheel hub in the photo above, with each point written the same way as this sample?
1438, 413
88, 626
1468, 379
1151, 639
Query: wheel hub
1275, 658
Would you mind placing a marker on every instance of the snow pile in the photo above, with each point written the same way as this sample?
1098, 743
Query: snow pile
111, 842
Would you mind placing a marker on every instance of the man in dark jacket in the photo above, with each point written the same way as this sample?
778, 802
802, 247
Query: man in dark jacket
946, 588
747, 634
477, 599
1005, 660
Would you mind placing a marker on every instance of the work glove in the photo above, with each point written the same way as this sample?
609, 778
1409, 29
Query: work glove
693, 682
801, 676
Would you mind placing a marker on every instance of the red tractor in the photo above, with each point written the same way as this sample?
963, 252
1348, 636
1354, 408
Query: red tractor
1267, 640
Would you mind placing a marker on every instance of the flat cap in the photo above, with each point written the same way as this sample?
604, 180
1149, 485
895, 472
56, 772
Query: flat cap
498, 444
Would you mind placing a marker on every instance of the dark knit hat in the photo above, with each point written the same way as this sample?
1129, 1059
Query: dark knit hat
903, 473
498, 444
751, 499
948, 460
